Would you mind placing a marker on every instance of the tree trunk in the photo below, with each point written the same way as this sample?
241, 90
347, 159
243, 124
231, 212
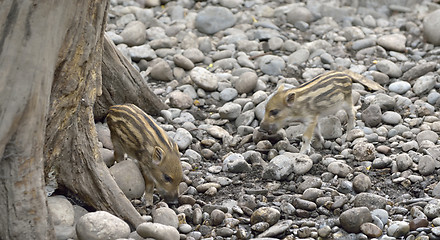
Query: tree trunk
29, 45
71, 146
122, 83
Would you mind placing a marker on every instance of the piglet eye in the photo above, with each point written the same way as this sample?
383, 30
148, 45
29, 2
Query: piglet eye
274, 112
167, 178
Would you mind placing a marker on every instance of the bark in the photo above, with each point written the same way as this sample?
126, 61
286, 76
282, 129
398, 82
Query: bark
29, 44
71, 145
122, 83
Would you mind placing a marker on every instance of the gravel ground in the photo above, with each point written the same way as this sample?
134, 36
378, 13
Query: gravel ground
216, 62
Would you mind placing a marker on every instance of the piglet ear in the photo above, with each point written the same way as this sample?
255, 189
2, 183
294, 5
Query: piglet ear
158, 155
290, 99
280, 88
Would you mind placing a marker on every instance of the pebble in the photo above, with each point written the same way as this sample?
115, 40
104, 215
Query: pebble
398, 229
393, 42
235, 163
204, 79
61, 211
101, 225
157, 231
213, 19
392, 118
165, 216
400, 87
134, 33
129, 178
430, 23
352, 219
389, 68
265, 214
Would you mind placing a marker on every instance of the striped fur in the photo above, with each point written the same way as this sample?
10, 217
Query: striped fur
319, 97
135, 133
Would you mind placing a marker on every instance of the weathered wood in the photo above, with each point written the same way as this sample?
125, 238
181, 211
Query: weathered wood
122, 83
31, 35
71, 145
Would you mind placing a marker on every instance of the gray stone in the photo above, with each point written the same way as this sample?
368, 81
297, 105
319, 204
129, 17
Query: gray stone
361, 183
403, 162
394, 42
430, 27
370, 200
364, 151
142, 52
235, 163
161, 71
183, 62
134, 34
432, 209
339, 168
400, 87
299, 14
194, 54
363, 43
418, 71
265, 214
165, 216
60, 210
299, 56
271, 65
424, 84
180, 100
330, 127
392, 118
101, 225
398, 229
183, 138
281, 166
228, 94
129, 178
372, 115
246, 83
427, 135
389, 68
157, 231
204, 79
352, 219
213, 19
426, 165
278, 228
245, 119
230, 110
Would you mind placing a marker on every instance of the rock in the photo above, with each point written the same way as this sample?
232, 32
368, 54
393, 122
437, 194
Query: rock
418, 71
228, 94
389, 68
432, 209
161, 71
394, 42
107, 156
370, 200
183, 138
352, 219
424, 84
364, 151
180, 100
299, 56
430, 27
129, 178
157, 231
372, 115
246, 82
371, 230
281, 166
299, 14
330, 127
104, 135
65, 232
426, 165
427, 135
265, 214
275, 230
134, 34
230, 110
145, 52
60, 210
339, 168
165, 216
235, 163
392, 118
403, 162
398, 229
361, 183
217, 217
400, 87
271, 65
363, 43
217, 132
183, 62
101, 225
213, 19
194, 54
204, 79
